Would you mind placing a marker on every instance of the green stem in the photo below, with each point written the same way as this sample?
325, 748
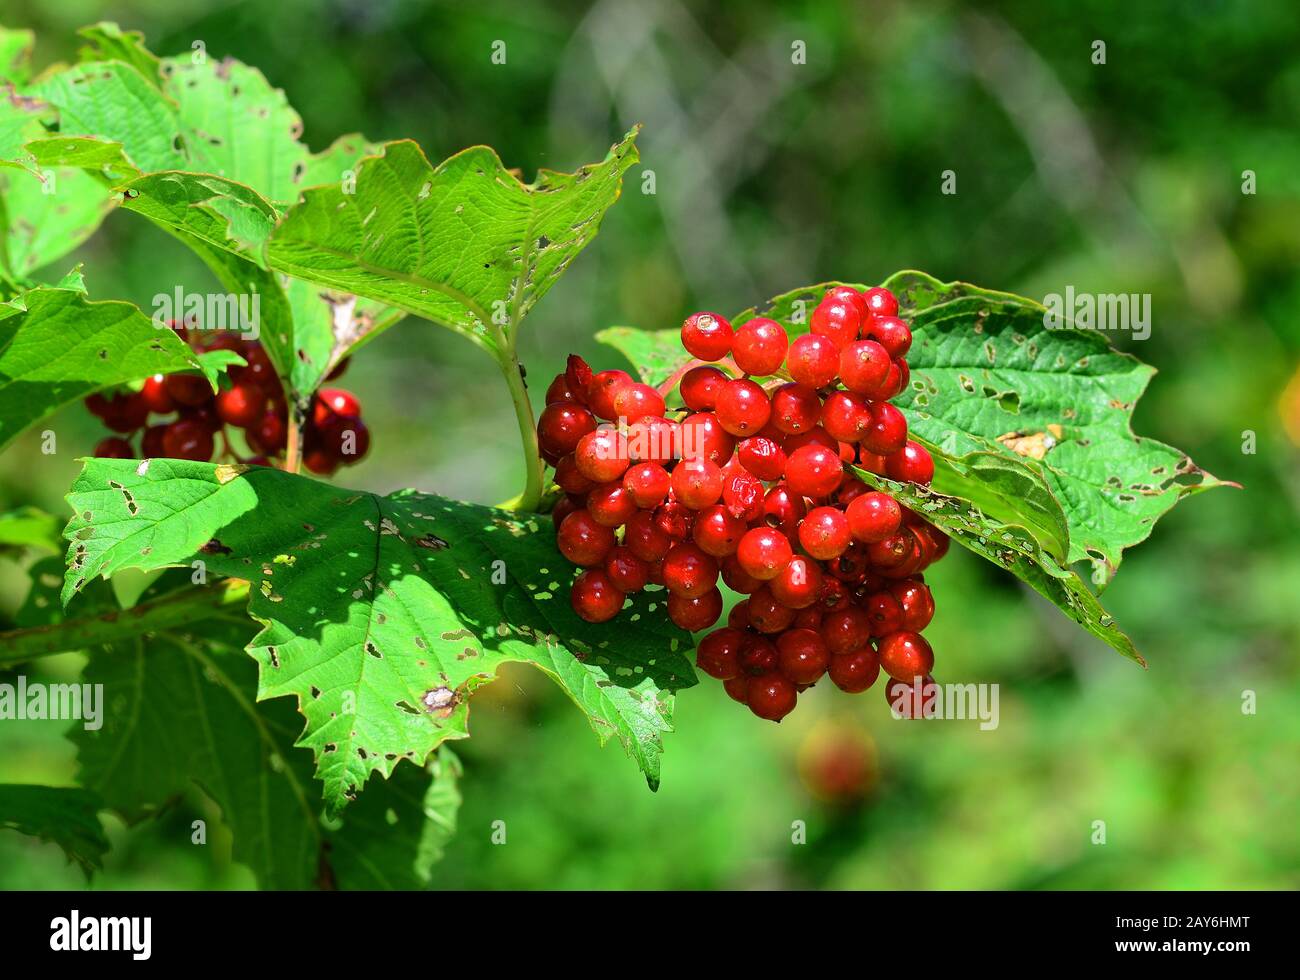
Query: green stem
509, 361
172, 611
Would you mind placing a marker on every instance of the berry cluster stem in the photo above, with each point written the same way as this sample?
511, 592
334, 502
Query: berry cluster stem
511, 370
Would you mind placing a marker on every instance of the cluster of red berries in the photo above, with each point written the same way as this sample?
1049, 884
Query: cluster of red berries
254, 403
747, 483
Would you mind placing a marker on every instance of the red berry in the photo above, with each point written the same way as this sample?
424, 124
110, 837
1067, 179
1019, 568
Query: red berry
151, 444
783, 510
155, 395
707, 336
766, 613
795, 408
188, 439
114, 448
601, 391
880, 301
717, 531
892, 551
695, 614
890, 332
824, 533
913, 698
802, 657
565, 506
611, 504
559, 390
703, 437
846, 416
583, 540
742, 492
125, 412
771, 696
188, 389
743, 408
762, 456
601, 456
813, 437
905, 654
837, 321
561, 425
689, 572
241, 405
736, 688
885, 613
568, 477
737, 579
813, 360
916, 602
874, 516
798, 584
850, 490
628, 572
595, 597
675, 519
738, 618
847, 629
759, 346
814, 471
697, 483
334, 401
758, 655
847, 294
652, 440
346, 438
864, 366
636, 401
270, 434
644, 537
700, 387
648, 483
886, 431
855, 671
718, 654
763, 552
911, 464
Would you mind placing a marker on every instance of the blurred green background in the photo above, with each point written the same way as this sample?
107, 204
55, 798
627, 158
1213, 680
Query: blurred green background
1117, 177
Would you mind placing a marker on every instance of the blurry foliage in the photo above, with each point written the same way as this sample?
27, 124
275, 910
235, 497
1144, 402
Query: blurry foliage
1123, 177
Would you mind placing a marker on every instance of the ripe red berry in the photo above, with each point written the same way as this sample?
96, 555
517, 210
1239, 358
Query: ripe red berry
762, 456
703, 437
636, 401
695, 614
874, 516
601, 456
890, 332
188, 389
885, 613
648, 483
737, 688
594, 596
763, 552
845, 415
241, 405
758, 655
914, 698
697, 483
759, 346
770, 696
559, 390
675, 519
601, 391
700, 387
738, 618
611, 504
905, 655
880, 301
795, 408
855, 671
742, 492
155, 395
717, 531
561, 425
151, 444
845, 630
813, 360
847, 294
814, 471
114, 448
125, 412
837, 321
783, 510
707, 336
864, 366
802, 657
824, 533
718, 654
743, 407
583, 540
689, 571
643, 535
628, 572
188, 439
892, 551
334, 401
911, 464
259, 370
798, 584
766, 613
737, 579
916, 602
886, 430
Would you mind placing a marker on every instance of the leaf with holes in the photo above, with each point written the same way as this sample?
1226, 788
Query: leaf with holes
66, 816
56, 346
464, 244
382, 614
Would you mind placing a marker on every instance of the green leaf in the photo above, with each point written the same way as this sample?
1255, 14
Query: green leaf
108, 42
218, 211
64, 815
16, 48
195, 694
1014, 548
382, 614
46, 218
656, 354
29, 527
464, 244
56, 347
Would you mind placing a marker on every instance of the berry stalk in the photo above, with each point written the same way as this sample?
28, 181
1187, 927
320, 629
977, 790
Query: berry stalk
531, 497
